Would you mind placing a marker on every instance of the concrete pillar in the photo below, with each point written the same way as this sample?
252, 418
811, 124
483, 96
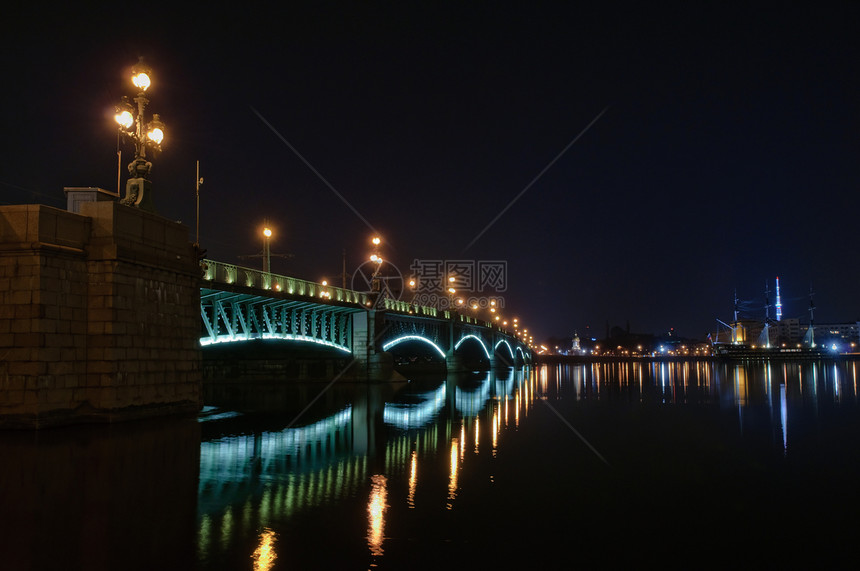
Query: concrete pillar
454, 363
371, 363
494, 361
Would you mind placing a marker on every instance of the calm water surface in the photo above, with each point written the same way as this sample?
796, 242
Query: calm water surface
681, 464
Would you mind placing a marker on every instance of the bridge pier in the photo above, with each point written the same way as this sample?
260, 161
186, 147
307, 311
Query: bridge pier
369, 363
367, 411
454, 363
99, 315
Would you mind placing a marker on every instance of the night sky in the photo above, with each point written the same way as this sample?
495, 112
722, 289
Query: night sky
708, 148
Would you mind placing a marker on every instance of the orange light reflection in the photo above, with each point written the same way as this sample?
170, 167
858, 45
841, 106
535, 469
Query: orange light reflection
264, 556
376, 513
452, 477
413, 480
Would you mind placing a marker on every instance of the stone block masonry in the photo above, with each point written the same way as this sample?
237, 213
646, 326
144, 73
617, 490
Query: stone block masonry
99, 316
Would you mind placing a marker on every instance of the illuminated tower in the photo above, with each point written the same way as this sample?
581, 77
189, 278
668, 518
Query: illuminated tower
778, 302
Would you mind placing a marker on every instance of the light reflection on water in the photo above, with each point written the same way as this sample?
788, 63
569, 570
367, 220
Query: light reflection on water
410, 430
705, 453
413, 479
376, 507
452, 473
264, 555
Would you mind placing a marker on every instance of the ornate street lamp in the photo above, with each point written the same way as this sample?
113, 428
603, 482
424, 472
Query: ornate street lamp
267, 251
133, 124
375, 285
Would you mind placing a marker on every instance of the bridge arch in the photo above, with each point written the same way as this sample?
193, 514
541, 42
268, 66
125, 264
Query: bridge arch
476, 338
522, 354
222, 339
405, 338
508, 345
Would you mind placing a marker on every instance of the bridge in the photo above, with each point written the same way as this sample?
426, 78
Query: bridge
240, 304
106, 314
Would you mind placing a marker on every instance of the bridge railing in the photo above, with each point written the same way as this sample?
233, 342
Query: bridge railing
411, 308
248, 277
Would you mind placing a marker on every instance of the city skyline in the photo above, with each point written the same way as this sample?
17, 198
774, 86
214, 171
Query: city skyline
628, 163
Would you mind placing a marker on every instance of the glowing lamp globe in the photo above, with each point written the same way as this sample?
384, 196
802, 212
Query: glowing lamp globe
140, 77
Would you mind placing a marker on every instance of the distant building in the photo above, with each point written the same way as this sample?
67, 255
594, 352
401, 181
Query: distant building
787, 331
841, 333
791, 331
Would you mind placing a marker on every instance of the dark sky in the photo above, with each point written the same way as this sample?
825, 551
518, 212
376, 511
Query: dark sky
723, 147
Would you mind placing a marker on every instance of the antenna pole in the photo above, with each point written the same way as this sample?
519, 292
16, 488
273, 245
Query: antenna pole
118, 171
199, 182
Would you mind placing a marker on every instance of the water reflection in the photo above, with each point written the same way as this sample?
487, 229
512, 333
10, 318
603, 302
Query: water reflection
413, 479
264, 556
376, 507
433, 464
783, 417
418, 413
470, 400
100, 497
678, 382
454, 469
495, 427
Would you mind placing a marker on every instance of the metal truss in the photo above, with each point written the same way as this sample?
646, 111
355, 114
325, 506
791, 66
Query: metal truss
230, 316
241, 304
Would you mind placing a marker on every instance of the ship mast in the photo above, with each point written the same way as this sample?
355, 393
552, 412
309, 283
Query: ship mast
736, 306
765, 333
735, 325
766, 303
810, 333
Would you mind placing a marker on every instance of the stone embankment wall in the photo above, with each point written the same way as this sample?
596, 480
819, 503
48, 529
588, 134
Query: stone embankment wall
99, 315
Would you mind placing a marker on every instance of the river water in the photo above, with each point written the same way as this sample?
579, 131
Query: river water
601, 465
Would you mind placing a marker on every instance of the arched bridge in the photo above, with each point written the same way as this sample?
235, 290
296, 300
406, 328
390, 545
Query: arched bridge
240, 304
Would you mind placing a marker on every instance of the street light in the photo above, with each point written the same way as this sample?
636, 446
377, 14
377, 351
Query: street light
133, 124
375, 284
267, 251
452, 291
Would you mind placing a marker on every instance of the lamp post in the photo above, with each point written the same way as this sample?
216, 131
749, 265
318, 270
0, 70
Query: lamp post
267, 251
375, 284
143, 133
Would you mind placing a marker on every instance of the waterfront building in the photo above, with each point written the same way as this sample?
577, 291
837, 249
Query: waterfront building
792, 330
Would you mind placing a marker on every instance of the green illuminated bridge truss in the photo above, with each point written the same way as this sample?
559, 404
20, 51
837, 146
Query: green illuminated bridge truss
241, 304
